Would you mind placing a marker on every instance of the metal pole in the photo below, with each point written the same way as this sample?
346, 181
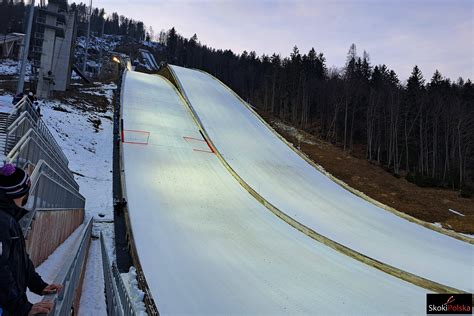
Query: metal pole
100, 53
26, 48
87, 40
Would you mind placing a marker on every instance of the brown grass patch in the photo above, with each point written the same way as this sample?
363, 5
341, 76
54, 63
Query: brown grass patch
427, 204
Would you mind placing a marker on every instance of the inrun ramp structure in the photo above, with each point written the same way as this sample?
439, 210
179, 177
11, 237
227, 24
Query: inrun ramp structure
206, 246
288, 182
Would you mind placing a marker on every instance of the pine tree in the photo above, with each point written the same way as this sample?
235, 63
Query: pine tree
171, 44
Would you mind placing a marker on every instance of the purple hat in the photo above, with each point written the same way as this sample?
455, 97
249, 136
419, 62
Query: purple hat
14, 181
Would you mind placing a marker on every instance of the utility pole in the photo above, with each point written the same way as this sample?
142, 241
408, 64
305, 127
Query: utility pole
26, 48
87, 40
104, 16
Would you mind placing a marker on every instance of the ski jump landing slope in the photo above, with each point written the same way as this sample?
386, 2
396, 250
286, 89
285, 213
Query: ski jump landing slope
299, 190
206, 246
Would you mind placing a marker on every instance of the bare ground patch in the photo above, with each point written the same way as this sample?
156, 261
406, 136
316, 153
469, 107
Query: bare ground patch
427, 204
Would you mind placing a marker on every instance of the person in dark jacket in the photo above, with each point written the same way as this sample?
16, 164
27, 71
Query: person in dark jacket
17, 98
16, 269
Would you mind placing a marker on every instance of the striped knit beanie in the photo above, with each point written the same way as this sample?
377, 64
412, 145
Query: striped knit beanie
14, 182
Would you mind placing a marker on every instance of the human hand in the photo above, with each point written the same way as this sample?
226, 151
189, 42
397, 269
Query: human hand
41, 308
52, 288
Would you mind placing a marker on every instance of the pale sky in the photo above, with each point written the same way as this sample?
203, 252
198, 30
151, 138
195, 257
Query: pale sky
434, 34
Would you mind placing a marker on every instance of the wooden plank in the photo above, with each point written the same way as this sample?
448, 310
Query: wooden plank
49, 230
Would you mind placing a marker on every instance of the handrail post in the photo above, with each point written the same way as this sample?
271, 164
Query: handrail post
118, 299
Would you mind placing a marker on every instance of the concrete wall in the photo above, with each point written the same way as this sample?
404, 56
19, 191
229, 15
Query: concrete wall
63, 53
49, 42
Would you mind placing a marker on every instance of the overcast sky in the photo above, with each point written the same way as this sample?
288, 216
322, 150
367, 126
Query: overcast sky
433, 34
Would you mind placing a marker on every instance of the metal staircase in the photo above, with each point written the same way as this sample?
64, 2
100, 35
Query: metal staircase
26, 141
6, 119
3, 133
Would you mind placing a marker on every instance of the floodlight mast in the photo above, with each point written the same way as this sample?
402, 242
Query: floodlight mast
84, 66
26, 47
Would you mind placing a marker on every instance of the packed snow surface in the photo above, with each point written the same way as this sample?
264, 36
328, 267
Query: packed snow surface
290, 183
92, 298
206, 246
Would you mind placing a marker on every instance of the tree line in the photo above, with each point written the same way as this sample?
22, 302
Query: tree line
112, 24
13, 17
423, 130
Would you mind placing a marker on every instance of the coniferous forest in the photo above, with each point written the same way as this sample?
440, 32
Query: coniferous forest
13, 14
422, 129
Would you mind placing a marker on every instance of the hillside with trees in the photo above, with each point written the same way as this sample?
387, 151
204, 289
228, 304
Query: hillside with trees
423, 129
13, 13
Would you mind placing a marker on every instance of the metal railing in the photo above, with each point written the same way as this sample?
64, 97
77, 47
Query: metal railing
49, 191
31, 148
14, 132
55, 193
29, 142
70, 277
118, 299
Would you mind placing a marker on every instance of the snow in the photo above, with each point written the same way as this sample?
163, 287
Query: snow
152, 44
9, 67
149, 59
206, 246
50, 268
6, 103
105, 44
455, 212
290, 183
93, 287
88, 149
136, 295
107, 230
75, 76
293, 132
101, 89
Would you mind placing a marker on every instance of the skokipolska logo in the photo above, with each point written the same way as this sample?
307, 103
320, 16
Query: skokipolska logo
449, 304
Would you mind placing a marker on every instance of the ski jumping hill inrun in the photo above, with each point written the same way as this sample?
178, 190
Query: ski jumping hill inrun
293, 186
206, 246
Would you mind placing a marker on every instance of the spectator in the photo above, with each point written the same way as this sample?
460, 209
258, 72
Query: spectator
38, 110
17, 98
31, 97
16, 269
